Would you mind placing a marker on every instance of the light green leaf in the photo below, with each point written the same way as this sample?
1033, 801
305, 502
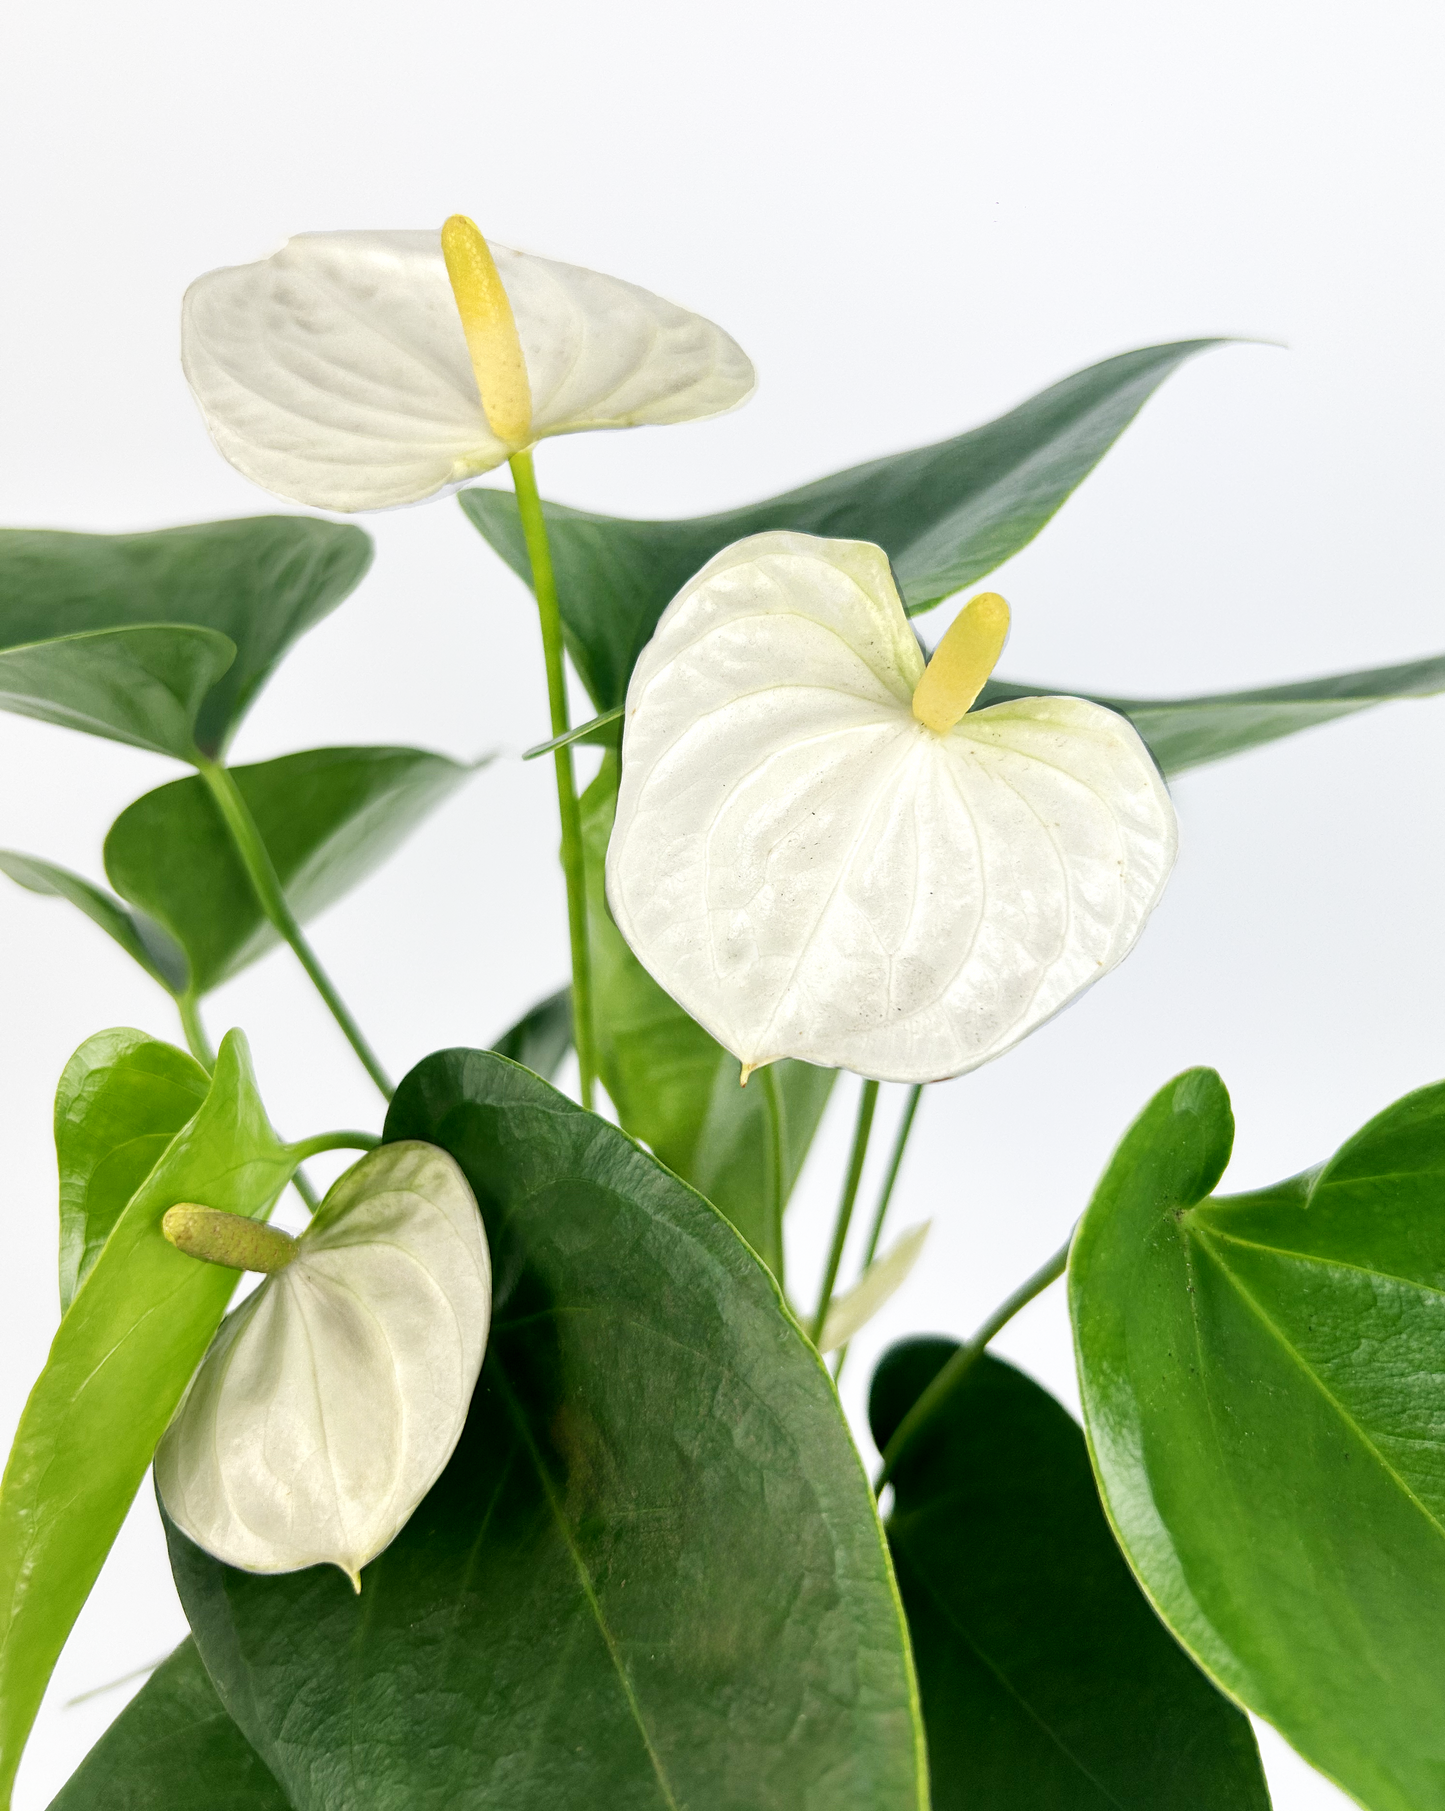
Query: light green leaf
141, 939
541, 1038
261, 582
1262, 1379
329, 817
944, 514
133, 1334
1048, 1683
601, 732
652, 1575
852, 1310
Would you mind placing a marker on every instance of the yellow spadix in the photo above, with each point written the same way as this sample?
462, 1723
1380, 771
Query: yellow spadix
961, 663
491, 330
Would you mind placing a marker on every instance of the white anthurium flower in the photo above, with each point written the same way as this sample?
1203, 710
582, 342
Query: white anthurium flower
821, 852
882, 1280
361, 370
332, 1398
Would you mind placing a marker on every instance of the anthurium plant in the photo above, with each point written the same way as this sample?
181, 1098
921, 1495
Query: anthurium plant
519, 1479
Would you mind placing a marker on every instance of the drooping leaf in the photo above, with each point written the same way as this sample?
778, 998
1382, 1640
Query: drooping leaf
676, 1088
945, 514
173, 1747
1048, 1683
651, 1576
1262, 1378
261, 582
141, 939
328, 816
541, 1038
133, 1334
141, 686
122, 1099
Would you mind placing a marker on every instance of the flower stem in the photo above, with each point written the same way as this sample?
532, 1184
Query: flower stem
199, 1045
777, 1192
544, 585
895, 1163
262, 874
333, 1141
863, 1125
928, 1405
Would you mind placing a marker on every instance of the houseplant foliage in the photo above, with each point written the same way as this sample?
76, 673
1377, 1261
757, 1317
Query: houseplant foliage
522, 1480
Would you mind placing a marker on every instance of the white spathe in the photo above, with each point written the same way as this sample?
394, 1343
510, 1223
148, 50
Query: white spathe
336, 372
332, 1398
811, 872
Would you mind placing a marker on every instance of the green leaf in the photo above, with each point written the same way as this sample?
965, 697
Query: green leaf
675, 1087
945, 514
328, 816
125, 1351
541, 1038
601, 732
141, 686
1048, 1683
122, 1099
173, 1747
651, 1576
261, 582
141, 939
1262, 1379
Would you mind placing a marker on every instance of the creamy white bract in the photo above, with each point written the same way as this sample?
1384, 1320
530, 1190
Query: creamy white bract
332, 1398
811, 872
336, 372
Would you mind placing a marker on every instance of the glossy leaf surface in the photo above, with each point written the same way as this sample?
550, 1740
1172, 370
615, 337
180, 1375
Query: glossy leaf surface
141, 939
541, 1038
262, 582
1048, 1683
173, 1748
1262, 1377
135, 1331
944, 514
328, 816
651, 1576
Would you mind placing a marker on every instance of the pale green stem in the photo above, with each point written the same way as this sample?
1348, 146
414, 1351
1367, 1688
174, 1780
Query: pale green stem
270, 896
895, 1163
544, 584
777, 1188
189, 1006
332, 1141
863, 1126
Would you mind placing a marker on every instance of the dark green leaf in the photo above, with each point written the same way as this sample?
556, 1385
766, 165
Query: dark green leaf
652, 1575
173, 1748
122, 1099
126, 1349
329, 817
145, 942
141, 686
945, 514
1048, 1683
261, 582
676, 1088
1262, 1379
541, 1038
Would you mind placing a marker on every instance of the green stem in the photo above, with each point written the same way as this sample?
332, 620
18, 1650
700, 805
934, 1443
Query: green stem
199, 1045
773, 1116
304, 1189
895, 1163
262, 874
867, 1101
544, 584
332, 1141
913, 1424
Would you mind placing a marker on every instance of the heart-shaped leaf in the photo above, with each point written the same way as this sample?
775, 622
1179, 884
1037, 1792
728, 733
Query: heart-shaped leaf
1048, 1683
144, 941
1262, 1378
261, 582
328, 817
652, 1575
133, 1334
945, 514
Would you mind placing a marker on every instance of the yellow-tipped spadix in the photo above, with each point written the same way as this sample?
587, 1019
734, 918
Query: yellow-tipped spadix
491, 330
961, 663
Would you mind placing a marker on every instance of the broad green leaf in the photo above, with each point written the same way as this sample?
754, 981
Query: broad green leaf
1262, 1379
133, 1334
651, 1576
173, 1748
541, 1038
1048, 1683
145, 942
141, 686
122, 1099
262, 582
328, 816
676, 1088
945, 514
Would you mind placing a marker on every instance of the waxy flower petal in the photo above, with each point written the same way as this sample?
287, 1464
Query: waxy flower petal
812, 872
336, 372
332, 1398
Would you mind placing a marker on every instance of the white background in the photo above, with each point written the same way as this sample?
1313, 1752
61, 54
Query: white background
911, 216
